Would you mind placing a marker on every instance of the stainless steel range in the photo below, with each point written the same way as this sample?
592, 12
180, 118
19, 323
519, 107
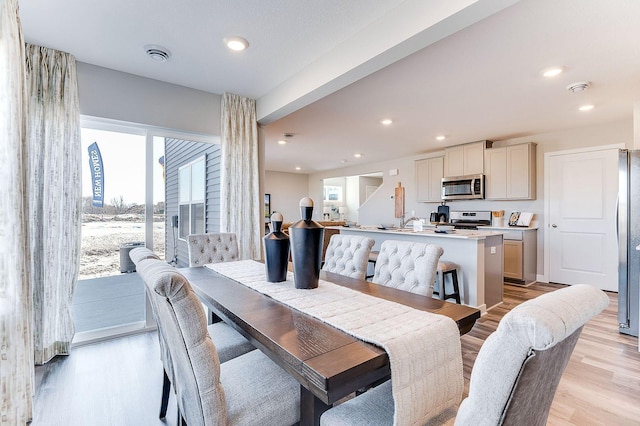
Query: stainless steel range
470, 219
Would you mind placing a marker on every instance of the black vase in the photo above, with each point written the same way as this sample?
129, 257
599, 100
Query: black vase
276, 251
306, 247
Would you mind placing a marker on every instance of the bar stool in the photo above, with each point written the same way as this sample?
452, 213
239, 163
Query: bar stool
444, 268
373, 258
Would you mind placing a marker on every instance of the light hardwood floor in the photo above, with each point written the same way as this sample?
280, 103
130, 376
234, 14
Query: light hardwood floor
118, 382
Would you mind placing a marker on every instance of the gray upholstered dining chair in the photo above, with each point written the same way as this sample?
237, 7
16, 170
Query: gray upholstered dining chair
247, 390
407, 266
229, 343
348, 255
212, 248
516, 372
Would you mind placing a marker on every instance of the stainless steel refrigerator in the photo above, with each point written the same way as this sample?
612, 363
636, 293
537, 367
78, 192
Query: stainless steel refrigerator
628, 240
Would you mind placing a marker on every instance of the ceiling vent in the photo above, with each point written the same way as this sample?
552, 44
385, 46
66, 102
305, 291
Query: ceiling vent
578, 87
157, 53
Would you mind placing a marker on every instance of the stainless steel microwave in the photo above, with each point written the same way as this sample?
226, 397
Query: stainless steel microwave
463, 187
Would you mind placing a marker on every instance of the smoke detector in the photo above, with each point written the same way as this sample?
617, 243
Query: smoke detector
157, 53
578, 87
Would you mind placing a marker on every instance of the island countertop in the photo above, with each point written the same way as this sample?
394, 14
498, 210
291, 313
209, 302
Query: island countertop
430, 232
478, 253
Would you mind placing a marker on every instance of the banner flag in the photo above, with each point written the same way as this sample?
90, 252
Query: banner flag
97, 175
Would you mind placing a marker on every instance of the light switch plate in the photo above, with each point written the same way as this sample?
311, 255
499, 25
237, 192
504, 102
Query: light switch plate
493, 250
393, 172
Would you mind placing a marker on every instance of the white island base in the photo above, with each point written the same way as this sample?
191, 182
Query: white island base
478, 253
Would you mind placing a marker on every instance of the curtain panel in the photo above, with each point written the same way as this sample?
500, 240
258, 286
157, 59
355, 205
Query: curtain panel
240, 201
16, 349
53, 196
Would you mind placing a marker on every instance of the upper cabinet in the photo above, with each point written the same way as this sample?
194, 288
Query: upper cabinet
467, 159
429, 179
510, 172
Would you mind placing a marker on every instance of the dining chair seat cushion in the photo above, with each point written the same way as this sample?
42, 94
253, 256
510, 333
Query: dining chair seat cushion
374, 407
258, 392
141, 253
348, 255
212, 248
407, 266
229, 343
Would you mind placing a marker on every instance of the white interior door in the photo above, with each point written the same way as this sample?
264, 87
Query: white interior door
583, 189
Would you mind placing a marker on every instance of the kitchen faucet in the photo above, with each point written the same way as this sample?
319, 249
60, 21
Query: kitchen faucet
404, 222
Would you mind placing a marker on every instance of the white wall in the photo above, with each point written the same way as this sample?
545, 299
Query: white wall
120, 96
286, 190
380, 208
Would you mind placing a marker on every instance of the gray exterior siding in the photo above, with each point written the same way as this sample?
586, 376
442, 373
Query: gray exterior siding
179, 152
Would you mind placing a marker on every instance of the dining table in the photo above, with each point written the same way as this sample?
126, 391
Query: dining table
329, 363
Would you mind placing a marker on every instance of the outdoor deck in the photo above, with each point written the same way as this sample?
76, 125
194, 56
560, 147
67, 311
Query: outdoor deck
108, 302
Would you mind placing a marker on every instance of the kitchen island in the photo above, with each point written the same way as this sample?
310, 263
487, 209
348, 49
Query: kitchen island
479, 254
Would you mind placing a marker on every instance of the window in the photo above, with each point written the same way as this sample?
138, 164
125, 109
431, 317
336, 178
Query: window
191, 196
333, 193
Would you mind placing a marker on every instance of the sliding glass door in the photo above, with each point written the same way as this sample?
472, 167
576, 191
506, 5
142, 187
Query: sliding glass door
123, 208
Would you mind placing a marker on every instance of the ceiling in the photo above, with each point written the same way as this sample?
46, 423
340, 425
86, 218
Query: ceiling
328, 72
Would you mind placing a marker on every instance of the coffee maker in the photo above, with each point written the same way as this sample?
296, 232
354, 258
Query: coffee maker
443, 213
441, 216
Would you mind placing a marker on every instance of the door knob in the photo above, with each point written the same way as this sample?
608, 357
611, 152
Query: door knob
554, 226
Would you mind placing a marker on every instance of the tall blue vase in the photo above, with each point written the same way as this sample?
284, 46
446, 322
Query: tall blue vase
276, 251
306, 247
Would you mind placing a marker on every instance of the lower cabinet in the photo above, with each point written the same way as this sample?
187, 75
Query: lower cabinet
520, 256
513, 260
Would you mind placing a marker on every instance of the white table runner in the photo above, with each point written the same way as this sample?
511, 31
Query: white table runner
424, 348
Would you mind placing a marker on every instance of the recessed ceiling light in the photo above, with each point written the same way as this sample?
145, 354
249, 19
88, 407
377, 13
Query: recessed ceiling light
157, 53
588, 107
236, 43
386, 121
440, 138
357, 155
282, 142
552, 72
298, 168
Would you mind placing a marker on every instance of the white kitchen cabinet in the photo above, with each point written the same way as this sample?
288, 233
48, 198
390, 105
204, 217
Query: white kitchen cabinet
510, 172
467, 159
429, 173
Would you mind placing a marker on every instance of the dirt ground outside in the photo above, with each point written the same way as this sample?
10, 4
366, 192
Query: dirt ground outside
103, 235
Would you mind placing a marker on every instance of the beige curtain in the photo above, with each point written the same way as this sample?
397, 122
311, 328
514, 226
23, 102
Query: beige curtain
16, 350
240, 204
54, 196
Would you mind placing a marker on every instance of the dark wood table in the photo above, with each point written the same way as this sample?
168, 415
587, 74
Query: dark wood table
329, 363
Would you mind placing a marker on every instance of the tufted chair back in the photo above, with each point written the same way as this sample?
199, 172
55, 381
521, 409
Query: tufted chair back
147, 269
407, 266
212, 248
348, 255
195, 362
519, 366
140, 253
